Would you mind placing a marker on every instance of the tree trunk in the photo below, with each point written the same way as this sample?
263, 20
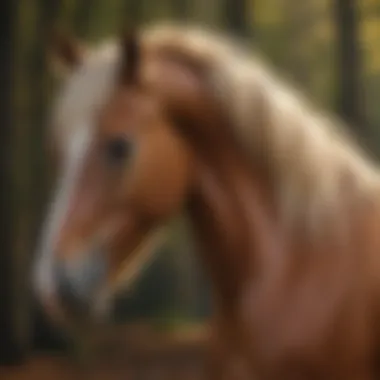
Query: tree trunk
235, 13
299, 21
181, 8
11, 349
133, 13
350, 96
82, 18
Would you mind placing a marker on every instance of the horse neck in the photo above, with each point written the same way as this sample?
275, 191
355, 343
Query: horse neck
232, 217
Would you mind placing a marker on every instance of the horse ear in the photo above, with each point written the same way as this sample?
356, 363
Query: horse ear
130, 57
65, 51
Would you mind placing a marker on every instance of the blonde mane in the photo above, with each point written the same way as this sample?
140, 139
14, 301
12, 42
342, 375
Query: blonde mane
315, 166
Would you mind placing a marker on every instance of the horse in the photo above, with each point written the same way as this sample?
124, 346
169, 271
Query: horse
283, 203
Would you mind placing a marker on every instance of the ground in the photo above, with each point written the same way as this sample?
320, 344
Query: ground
136, 354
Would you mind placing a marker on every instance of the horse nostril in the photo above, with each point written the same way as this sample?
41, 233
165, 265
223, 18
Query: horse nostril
78, 281
69, 296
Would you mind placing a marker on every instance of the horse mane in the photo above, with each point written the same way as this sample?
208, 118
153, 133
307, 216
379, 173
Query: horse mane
310, 156
315, 164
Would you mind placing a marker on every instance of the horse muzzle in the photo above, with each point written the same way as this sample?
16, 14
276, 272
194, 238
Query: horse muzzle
71, 288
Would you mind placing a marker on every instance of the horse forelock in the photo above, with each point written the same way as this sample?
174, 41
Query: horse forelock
310, 157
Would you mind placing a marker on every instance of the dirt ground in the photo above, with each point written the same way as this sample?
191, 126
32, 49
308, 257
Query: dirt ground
137, 354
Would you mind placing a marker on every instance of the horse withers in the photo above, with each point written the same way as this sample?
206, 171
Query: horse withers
283, 204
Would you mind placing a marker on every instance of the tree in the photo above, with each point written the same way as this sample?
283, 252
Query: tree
11, 349
133, 13
181, 8
235, 13
350, 97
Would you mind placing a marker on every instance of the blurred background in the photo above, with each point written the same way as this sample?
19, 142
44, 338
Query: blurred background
327, 48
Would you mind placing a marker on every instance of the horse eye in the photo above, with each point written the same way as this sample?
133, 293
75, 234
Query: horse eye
118, 149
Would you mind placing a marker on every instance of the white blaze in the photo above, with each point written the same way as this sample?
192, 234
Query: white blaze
43, 272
